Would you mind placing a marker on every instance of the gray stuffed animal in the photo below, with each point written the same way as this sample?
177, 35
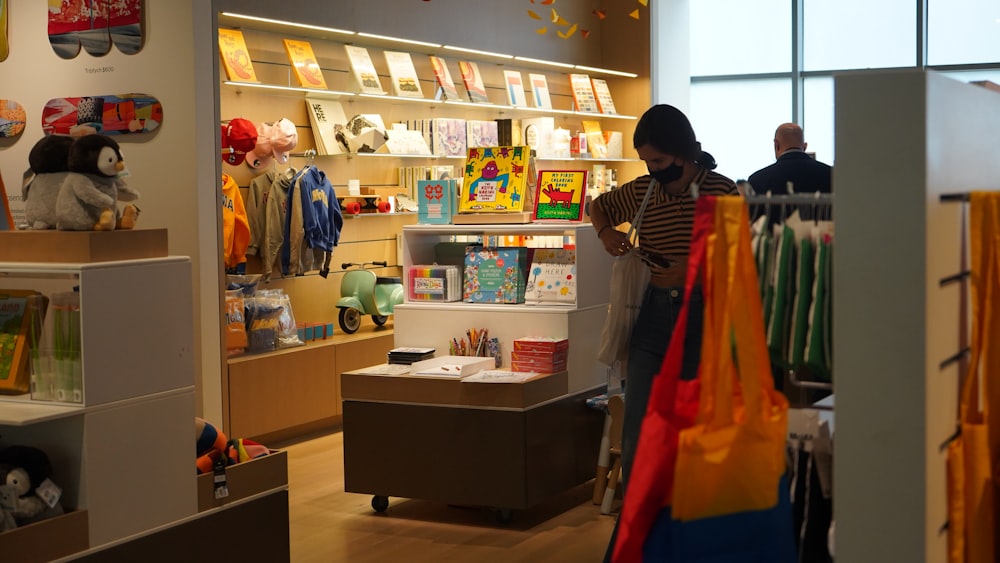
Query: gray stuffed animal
88, 196
48, 164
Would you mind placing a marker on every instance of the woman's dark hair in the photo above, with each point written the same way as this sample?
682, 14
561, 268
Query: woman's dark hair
668, 130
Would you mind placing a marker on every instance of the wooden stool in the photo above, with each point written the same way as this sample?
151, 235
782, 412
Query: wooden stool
616, 412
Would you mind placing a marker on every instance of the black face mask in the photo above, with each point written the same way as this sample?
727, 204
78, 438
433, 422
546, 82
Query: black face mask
668, 174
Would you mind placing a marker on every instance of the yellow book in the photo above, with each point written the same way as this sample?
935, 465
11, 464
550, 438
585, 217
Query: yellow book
595, 138
307, 70
235, 56
496, 179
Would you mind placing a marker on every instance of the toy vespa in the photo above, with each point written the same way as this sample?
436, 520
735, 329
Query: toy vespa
364, 293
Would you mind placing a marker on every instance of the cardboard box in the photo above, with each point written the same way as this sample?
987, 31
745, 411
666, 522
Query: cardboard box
47, 540
538, 367
541, 344
82, 246
245, 479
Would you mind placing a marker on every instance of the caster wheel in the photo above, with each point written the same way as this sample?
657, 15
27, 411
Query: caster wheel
504, 516
380, 503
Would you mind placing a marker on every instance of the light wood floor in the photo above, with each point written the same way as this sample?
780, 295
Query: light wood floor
328, 525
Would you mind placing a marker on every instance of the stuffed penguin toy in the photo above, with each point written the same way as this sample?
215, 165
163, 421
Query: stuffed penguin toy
89, 194
48, 164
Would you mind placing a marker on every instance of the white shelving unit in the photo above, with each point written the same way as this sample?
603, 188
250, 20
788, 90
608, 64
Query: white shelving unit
432, 325
125, 454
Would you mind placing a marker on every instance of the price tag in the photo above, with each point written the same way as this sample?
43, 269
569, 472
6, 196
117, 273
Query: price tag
219, 478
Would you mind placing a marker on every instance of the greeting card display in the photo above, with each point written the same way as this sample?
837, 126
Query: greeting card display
494, 275
495, 179
559, 195
436, 201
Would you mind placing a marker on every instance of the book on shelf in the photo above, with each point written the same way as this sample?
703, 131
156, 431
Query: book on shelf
481, 133
583, 93
473, 81
595, 138
515, 88
405, 141
363, 70
437, 201
235, 56
540, 91
559, 195
536, 133
614, 142
407, 355
494, 275
505, 131
495, 180
304, 65
603, 96
448, 136
434, 283
551, 276
446, 89
562, 141
325, 116
405, 81
21, 315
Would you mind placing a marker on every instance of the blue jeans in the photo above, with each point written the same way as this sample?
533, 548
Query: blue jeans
650, 337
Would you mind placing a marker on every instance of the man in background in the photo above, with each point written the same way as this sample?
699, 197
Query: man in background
793, 166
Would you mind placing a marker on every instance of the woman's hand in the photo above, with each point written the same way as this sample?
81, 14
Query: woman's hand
616, 243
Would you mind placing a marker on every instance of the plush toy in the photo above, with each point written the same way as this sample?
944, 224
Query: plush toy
48, 164
210, 445
28, 469
88, 198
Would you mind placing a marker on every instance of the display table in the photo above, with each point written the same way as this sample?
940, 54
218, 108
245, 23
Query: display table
502, 445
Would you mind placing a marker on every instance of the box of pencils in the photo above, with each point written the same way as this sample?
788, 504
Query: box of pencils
433, 283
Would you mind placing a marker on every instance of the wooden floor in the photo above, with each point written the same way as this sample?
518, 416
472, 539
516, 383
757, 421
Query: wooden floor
327, 524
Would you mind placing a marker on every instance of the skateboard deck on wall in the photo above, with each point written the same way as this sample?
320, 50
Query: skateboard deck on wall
108, 115
12, 118
4, 46
94, 25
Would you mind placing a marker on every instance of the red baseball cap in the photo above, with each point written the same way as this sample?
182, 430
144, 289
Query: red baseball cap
239, 136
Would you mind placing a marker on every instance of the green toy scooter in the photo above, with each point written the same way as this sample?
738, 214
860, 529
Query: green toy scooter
364, 293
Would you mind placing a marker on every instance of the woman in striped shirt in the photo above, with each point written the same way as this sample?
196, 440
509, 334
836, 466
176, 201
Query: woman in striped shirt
666, 141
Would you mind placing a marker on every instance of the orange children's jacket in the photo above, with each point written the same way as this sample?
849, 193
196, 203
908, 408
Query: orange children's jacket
235, 227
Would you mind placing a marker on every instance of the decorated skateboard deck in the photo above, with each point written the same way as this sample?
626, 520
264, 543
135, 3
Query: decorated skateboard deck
4, 46
108, 115
12, 118
94, 25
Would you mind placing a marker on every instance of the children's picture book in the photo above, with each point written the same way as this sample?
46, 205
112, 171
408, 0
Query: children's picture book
559, 195
19, 309
494, 275
583, 93
324, 117
448, 136
595, 138
307, 70
405, 81
481, 133
515, 88
540, 91
446, 89
235, 56
473, 81
551, 276
603, 95
365, 76
495, 180
437, 201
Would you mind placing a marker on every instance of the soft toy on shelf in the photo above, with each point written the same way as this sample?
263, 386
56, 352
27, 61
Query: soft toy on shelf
210, 445
26, 480
89, 195
48, 163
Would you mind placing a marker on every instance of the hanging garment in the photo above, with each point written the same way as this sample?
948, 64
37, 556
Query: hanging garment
275, 212
256, 204
321, 216
235, 228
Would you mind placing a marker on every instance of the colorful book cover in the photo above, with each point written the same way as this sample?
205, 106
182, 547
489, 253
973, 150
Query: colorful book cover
235, 56
595, 138
495, 179
473, 81
434, 283
540, 91
307, 71
437, 201
15, 331
448, 137
481, 133
552, 276
515, 88
446, 86
405, 81
494, 275
603, 95
363, 68
559, 195
583, 93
